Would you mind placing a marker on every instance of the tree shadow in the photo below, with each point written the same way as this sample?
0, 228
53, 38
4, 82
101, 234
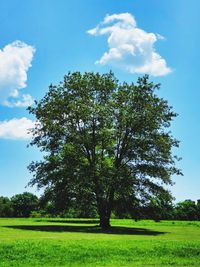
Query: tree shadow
87, 229
78, 221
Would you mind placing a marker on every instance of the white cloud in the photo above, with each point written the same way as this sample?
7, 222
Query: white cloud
15, 60
16, 128
130, 47
26, 100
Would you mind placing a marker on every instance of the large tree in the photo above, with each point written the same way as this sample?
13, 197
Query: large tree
103, 142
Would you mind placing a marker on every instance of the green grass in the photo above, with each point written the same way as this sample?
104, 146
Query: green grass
79, 242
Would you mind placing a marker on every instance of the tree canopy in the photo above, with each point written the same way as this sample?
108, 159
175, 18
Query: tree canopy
104, 142
23, 204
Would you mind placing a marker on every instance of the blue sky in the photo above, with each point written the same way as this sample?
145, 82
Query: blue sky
52, 39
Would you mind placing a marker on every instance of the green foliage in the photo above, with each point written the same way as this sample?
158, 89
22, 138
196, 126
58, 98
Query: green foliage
23, 204
28, 205
104, 142
6, 209
187, 210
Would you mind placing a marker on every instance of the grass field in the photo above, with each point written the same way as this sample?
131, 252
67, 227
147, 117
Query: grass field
80, 242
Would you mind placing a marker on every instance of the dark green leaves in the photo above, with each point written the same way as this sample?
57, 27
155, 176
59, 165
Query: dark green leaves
103, 138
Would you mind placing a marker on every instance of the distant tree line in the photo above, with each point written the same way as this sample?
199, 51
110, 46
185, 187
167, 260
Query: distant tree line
29, 205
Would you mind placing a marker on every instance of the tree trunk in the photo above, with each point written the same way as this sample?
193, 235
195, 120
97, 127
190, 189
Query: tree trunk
104, 221
104, 211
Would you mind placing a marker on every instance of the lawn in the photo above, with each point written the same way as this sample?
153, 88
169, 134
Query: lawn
80, 242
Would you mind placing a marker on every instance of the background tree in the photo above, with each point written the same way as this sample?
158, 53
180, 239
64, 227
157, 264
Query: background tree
159, 208
198, 209
6, 209
23, 204
186, 210
54, 205
103, 141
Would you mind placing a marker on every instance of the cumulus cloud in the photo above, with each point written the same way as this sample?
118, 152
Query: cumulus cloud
25, 101
16, 128
15, 61
130, 47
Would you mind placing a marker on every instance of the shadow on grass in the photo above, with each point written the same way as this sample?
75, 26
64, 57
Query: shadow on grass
81, 221
87, 229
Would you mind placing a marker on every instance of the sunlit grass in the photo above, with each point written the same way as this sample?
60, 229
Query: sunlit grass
74, 242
